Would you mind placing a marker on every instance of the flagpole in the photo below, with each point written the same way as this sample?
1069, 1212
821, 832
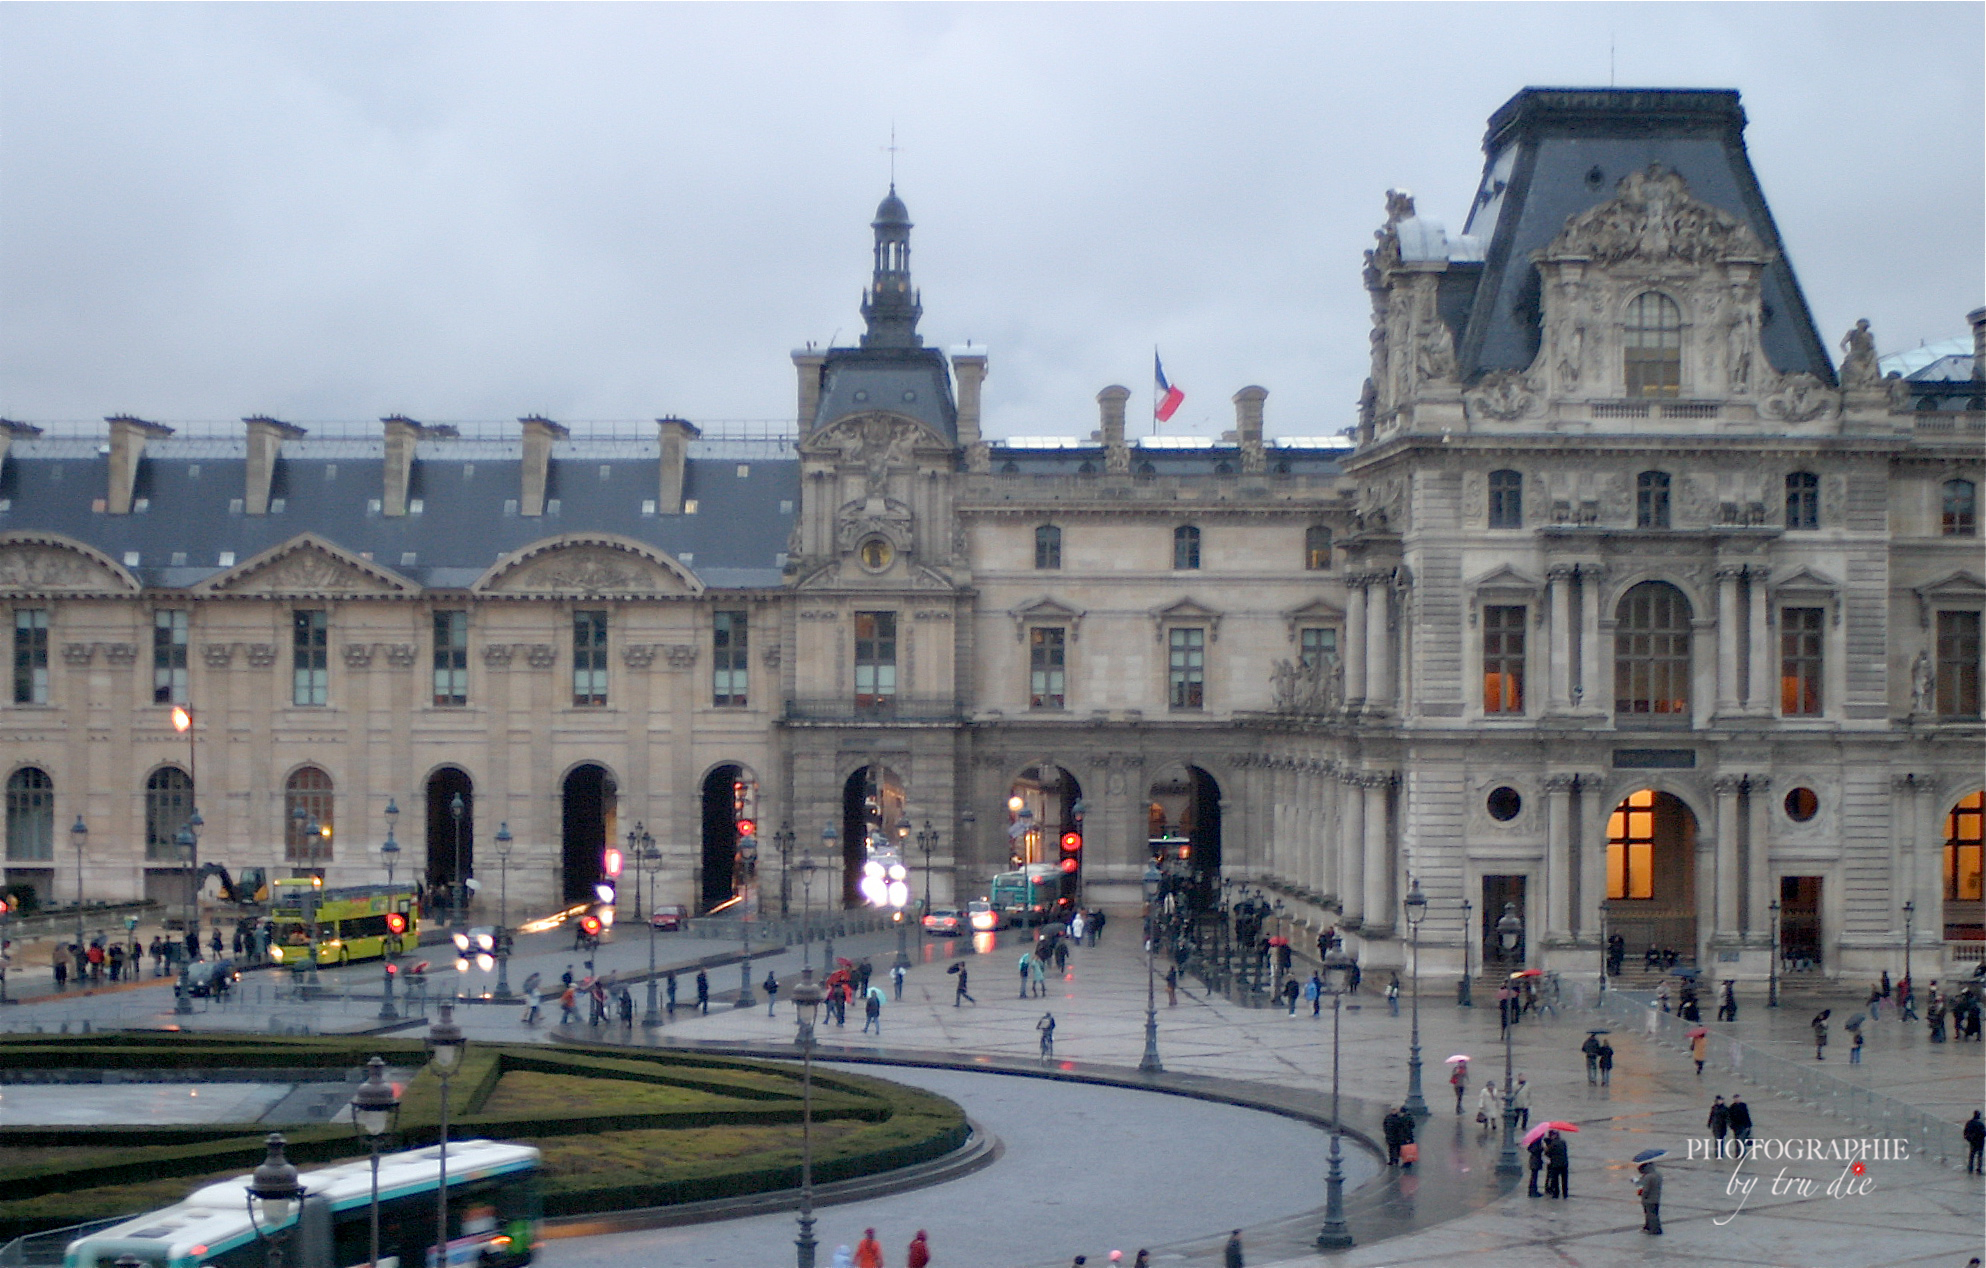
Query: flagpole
1155, 395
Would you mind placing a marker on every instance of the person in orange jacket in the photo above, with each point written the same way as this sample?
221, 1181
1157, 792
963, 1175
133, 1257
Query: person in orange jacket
868, 1251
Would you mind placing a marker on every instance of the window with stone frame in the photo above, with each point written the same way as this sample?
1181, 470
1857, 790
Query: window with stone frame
875, 660
307, 836
1316, 645
310, 657
1186, 547
168, 806
1651, 499
1317, 548
1960, 516
1652, 346
1802, 501
30, 815
1506, 499
1958, 665
731, 660
1652, 655
1503, 658
31, 656
169, 656
1800, 638
589, 659
1186, 668
1965, 849
1047, 547
451, 658
1048, 662
1631, 847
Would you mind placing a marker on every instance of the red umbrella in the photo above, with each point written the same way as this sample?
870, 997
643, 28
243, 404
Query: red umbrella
1528, 973
1699, 1032
1542, 1128
1279, 941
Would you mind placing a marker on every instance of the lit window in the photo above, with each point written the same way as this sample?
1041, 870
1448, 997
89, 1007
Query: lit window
1800, 661
1963, 847
1317, 547
1631, 847
1652, 346
1503, 659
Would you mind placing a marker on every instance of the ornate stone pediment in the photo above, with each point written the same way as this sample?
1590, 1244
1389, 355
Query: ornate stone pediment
873, 517
1047, 611
1503, 579
600, 565
1188, 611
878, 441
1314, 613
1652, 217
49, 563
1957, 587
307, 566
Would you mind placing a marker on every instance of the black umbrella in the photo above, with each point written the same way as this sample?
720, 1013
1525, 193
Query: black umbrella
1599, 1032
955, 968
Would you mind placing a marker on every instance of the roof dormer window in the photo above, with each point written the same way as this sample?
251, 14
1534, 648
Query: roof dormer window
1652, 347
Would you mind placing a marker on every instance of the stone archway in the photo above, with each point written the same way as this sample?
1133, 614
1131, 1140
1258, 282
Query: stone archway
730, 835
1651, 874
589, 805
872, 816
447, 868
1183, 826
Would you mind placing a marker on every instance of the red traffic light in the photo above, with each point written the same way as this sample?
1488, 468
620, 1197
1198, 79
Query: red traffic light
1071, 842
3, 906
392, 969
612, 862
396, 923
1068, 865
747, 828
591, 924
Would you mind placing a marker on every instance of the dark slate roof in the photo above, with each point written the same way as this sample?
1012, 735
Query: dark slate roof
913, 381
1552, 153
468, 491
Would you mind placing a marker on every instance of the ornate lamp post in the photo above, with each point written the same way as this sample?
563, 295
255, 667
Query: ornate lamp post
274, 1195
1909, 931
1336, 1234
79, 836
375, 1109
831, 844
647, 863
1772, 965
390, 852
806, 870
806, 1005
782, 841
503, 843
1464, 990
182, 990
1416, 903
446, 1044
1605, 949
745, 997
457, 907
927, 841
1149, 1063
1509, 932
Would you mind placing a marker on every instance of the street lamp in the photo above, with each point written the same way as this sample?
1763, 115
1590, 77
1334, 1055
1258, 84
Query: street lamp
391, 851
806, 870
1149, 1063
1464, 991
79, 836
1336, 1234
1909, 920
806, 1006
1772, 965
647, 862
1606, 950
455, 811
182, 990
745, 997
1416, 912
782, 841
927, 841
446, 1043
1509, 932
274, 1193
375, 1108
830, 842
503, 843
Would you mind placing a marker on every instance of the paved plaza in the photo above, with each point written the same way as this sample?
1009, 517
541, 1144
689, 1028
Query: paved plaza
1094, 1177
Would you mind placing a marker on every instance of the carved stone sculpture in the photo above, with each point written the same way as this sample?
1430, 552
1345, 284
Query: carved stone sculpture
358, 656
497, 655
400, 655
261, 655
78, 653
1858, 361
1504, 395
1653, 217
638, 655
217, 655
680, 655
1801, 398
1921, 683
541, 655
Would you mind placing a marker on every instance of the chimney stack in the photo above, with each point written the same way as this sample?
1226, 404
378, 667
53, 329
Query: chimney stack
1116, 454
1248, 427
807, 363
401, 436
969, 370
539, 436
676, 437
127, 449
265, 445
10, 431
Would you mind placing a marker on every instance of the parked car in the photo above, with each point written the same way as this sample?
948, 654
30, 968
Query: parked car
983, 918
945, 920
210, 978
669, 917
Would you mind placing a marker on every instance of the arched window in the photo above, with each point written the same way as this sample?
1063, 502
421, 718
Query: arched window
1652, 653
1506, 499
1317, 547
1652, 346
1802, 500
168, 805
1047, 546
1961, 517
30, 815
1651, 499
1186, 547
309, 791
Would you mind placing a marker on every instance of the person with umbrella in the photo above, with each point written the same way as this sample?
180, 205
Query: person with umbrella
1534, 1144
1649, 1185
1458, 1078
1699, 1047
1606, 1064
1558, 1161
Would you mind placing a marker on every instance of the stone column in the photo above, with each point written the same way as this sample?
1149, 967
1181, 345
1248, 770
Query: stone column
1558, 679
1558, 858
1593, 681
1330, 830
1378, 645
1351, 852
1763, 698
1379, 913
1355, 633
1727, 863
1727, 640
1759, 889
1589, 850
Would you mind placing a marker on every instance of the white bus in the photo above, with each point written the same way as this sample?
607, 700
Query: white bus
493, 1212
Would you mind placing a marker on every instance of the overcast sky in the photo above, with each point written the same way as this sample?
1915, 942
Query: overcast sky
596, 212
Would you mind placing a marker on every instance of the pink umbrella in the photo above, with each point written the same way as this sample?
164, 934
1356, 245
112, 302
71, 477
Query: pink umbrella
1458, 1057
1537, 1132
1699, 1032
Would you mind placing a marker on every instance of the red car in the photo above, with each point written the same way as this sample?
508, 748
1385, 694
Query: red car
670, 917
944, 920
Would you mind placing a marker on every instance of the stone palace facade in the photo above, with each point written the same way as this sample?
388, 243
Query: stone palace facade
1623, 607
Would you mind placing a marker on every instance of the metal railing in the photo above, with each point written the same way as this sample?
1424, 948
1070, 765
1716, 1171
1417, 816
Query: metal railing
46, 1248
1930, 1137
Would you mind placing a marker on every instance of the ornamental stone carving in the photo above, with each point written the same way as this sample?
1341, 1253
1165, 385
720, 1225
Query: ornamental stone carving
121, 653
541, 655
78, 653
217, 655
497, 655
1653, 217
770, 657
875, 516
589, 564
1800, 398
680, 655
1314, 688
638, 655
36, 565
1504, 395
261, 655
1858, 360
306, 565
400, 655
358, 656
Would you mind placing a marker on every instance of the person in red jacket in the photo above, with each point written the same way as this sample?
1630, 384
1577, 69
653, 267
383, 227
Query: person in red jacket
919, 1255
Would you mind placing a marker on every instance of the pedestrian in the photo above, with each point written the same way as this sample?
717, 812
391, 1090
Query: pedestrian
919, 1254
597, 996
1393, 995
1537, 1151
1398, 1129
1906, 999
1649, 1186
1592, 1050
1662, 994
1038, 974
158, 956
1313, 990
1855, 1048
1489, 1109
703, 992
1026, 966
868, 1251
1558, 1167
1740, 1118
959, 993
1819, 1024
1606, 1063
1459, 1080
568, 1006
1885, 984
1231, 1257
1727, 1006
531, 1003
844, 1257
61, 970
1934, 1012
1875, 1002
668, 985
1699, 1048
1172, 986
214, 941
771, 985
1061, 956
1520, 1104
624, 1000
1719, 1123
116, 961
1144, 1259
1046, 1027
897, 974
1096, 927
872, 1012
1290, 993
1975, 1144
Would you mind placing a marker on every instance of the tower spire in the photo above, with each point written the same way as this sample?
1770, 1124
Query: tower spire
891, 307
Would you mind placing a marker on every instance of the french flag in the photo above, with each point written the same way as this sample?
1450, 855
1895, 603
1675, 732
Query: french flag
1166, 401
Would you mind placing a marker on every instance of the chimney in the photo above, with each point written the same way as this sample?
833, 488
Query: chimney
1248, 427
11, 431
969, 369
676, 437
1116, 455
807, 363
127, 448
539, 436
1978, 319
265, 445
401, 436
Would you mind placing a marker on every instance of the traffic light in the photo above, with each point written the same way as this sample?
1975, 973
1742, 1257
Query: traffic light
610, 865
747, 828
395, 923
1072, 850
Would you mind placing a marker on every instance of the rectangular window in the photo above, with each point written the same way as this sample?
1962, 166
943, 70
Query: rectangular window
1800, 661
1506, 499
875, 660
451, 658
1047, 660
310, 657
730, 659
589, 658
1186, 669
1318, 645
1503, 659
31, 656
1958, 664
169, 656
1047, 547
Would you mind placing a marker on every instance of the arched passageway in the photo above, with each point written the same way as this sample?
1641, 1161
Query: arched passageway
1651, 874
730, 835
590, 803
451, 836
1183, 828
872, 817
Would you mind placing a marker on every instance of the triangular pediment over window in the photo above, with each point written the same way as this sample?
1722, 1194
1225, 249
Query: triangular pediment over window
594, 565
1188, 611
1504, 580
49, 563
306, 566
1806, 580
1047, 611
1314, 613
1960, 588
